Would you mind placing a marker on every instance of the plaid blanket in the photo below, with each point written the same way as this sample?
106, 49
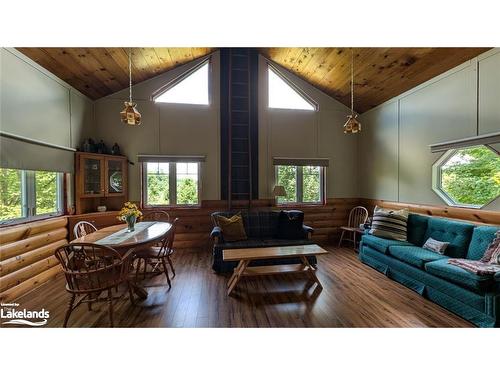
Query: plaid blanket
475, 266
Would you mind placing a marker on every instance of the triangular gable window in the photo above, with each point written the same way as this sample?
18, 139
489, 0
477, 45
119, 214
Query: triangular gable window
283, 95
190, 89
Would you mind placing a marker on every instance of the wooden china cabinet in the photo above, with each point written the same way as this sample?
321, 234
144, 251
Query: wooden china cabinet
100, 180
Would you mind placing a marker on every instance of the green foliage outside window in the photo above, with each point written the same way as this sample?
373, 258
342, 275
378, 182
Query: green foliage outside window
158, 193
287, 177
187, 191
46, 192
290, 177
10, 194
472, 176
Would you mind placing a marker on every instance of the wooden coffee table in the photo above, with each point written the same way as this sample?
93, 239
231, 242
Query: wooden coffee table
245, 256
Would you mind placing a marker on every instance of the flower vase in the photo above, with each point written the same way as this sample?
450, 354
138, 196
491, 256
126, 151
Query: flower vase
131, 223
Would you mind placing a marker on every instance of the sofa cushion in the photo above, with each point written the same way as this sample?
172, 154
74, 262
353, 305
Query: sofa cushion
251, 242
459, 276
382, 244
414, 255
290, 225
458, 234
388, 223
232, 228
482, 237
268, 221
417, 226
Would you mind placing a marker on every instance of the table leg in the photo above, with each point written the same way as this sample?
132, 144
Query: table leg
139, 291
238, 271
311, 271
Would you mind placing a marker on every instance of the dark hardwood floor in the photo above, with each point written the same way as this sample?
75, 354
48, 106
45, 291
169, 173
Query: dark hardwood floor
354, 295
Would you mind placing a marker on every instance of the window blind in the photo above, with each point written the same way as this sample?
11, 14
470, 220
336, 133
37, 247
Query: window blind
142, 158
315, 162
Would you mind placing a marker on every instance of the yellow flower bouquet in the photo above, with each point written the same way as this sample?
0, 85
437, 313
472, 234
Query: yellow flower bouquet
129, 214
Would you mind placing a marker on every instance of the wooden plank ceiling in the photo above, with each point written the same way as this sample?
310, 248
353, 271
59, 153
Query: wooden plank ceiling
97, 72
380, 73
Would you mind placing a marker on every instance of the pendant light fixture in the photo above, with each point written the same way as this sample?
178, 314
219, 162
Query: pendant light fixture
130, 115
352, 125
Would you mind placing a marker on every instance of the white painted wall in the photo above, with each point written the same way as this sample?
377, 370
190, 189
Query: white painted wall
35, 103
170, 129
395, 161
306, 134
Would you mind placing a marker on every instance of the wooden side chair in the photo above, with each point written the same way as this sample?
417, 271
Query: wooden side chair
357, 216
158, 256
156, 216
90, 270
82, 228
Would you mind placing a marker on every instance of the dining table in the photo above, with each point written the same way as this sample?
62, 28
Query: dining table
145, 233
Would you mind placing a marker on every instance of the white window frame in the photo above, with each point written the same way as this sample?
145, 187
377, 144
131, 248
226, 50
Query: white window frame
437, 178
299, 186
177, 80
28, 198
293, 87
172, 185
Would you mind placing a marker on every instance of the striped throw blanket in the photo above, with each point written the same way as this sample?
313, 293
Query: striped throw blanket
390, 223
476, 266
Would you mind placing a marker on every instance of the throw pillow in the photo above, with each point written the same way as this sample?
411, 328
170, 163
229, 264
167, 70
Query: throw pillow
232, 228
290, 225
491, 248
495, 257
390, 224
435, 245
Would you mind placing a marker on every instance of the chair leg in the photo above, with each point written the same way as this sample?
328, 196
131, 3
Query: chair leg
171, 265
130, 292
341, 237
165, 269
110, 303
137, 265
70, 309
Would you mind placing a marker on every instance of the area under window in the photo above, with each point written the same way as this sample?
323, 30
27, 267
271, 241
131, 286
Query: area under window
303, 184
191, 89
170, 184
468, 177
283, 95
29, 194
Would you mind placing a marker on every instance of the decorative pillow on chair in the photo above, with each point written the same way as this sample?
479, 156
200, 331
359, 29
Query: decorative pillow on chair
390, 224
290, 225
492, 248
435, 245
232, 228
495, 257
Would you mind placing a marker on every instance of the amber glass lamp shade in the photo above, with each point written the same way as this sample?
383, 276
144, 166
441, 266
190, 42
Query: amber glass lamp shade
130, 115
352, 125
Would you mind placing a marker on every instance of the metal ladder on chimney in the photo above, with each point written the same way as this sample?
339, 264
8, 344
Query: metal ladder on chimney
240, 146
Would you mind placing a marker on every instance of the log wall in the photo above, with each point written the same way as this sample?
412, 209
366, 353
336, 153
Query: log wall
27, 255
457, 213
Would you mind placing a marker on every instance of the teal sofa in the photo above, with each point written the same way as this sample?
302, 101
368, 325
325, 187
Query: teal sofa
473, 297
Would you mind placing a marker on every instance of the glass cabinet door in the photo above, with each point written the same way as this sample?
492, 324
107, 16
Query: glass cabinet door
115, 183
92, 172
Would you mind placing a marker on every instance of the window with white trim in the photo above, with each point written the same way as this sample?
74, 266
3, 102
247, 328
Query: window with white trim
192, 88
467, 177
303, 184
282, 94
26, 195
171, 184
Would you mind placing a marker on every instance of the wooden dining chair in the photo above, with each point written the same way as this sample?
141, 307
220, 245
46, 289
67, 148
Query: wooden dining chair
90, 270
357, 216
156, 216
158, 256
82, 228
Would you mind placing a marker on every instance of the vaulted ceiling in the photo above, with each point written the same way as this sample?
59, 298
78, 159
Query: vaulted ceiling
380, 73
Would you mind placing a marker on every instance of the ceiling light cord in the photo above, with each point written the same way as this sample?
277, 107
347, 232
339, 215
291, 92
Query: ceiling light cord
130, 74
352, 81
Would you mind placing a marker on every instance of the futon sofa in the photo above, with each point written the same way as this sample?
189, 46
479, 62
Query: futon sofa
261, 228
473, 297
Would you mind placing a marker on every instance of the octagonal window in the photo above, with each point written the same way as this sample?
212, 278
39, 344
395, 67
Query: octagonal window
468, 177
